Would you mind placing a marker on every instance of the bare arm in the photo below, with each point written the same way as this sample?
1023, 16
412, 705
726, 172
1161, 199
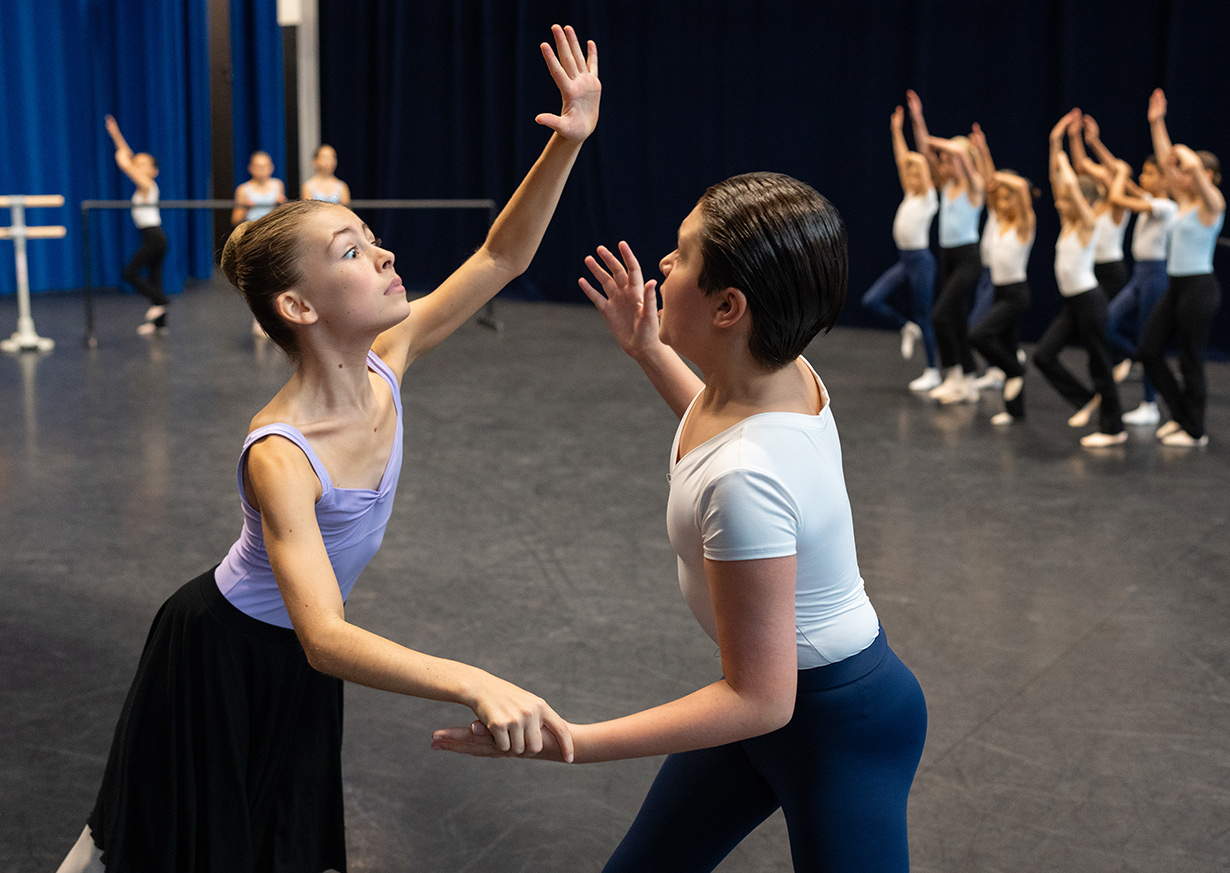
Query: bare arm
1120, 196
629, 305
1019, 189
514, 238
970, 177
901, 152
1212, 202
754, 605
922, 139
983, 162
1162, 148
124, 158
285, 488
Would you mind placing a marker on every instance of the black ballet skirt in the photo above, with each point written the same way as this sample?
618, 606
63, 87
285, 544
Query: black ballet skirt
227, 755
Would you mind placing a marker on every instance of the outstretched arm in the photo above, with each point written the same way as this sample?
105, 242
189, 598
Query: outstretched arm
1162, 148
124, 157
901, 151
1120, 195
754, 605
982, 160
1056, 148
1078, 134
514, 238
629, 305
922, 139
280, 482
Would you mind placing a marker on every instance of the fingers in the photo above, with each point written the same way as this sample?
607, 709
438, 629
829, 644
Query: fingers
595, 296
563, 736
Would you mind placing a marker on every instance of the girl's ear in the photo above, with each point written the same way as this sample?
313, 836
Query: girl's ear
730, 307
292, 306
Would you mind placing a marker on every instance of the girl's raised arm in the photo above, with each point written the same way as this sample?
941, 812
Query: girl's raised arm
514, 238
922, 139
1212, 201
901, 151
1162, 148
124, 157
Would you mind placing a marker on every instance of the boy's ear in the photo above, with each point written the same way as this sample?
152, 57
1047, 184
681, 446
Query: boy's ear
730, 307
294, 307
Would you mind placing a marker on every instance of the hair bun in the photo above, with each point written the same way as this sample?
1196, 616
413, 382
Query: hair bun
231, 254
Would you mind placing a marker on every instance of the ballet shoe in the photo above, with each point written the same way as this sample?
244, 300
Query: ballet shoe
1081, 417
929, 379
991, 380
1145, 414
1013, 387
1182, 438
149, 328
1103, 440
1167, 429
1121, 370
1003, 419
910, 335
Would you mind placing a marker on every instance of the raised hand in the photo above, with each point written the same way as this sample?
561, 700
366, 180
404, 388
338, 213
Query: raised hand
627, 302
1157, 106
576, 75
915, 103
897, 119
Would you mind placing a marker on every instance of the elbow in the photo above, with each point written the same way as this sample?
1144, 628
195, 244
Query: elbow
321, 646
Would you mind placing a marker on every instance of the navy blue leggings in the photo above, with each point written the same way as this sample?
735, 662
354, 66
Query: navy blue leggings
841, 772
915, 272
1129, 311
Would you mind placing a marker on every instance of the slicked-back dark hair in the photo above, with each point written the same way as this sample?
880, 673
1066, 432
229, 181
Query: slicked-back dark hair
784, 246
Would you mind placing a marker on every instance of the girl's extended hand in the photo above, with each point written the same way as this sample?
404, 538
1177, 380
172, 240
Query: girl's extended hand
477, 741
576, 76
1157, 106
519, 723
629, 304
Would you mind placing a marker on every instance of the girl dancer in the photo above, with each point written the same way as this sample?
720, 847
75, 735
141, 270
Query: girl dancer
1109, 265
1185, 313
324, 185
227, 754
142, 169
962, 195
1007, 240
814, 713
915, 267
257, 196
1084, 302
1155, 213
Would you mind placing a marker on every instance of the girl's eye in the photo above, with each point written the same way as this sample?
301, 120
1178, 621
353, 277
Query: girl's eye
377, 242
351, 254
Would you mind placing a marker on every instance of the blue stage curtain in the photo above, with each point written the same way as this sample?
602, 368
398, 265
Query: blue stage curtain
258, 109
437, 99
64, 64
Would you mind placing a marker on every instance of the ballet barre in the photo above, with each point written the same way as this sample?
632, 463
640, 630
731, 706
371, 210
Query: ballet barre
26, 338
486, 317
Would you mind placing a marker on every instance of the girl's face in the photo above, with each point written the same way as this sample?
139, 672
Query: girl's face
145, 164
1151, 179
914, 176
684, 307
351, 282
260, 168
325, 161
1005, 203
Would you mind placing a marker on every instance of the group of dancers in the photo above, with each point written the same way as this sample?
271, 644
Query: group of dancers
227, 754
1170, 295
253, 199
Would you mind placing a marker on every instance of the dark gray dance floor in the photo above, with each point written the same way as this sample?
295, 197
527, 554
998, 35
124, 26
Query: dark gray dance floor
1067, 611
